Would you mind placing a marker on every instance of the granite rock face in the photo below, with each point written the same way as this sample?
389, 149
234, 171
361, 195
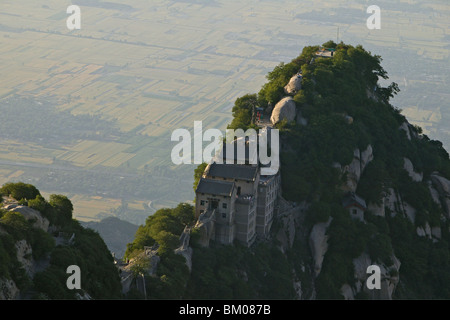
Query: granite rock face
294, 85
318, 242
408, 166
31, 214
285, 109
356, 167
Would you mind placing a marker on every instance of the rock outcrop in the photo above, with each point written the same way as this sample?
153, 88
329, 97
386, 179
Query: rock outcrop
184, 249
31, 214
442, 185
405, 127
286, 234
294, 85
434, 193
205, 227
410, 211
285, 109
389, 277
355, 168
424, 231
409, 130
8, 289
24, 252
287, 215
318, 242
408, 166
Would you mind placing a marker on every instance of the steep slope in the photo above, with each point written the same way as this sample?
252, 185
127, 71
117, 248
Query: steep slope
360, 186
356, 141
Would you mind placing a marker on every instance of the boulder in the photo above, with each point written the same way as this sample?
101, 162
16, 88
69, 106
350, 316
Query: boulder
284, 109
294, 85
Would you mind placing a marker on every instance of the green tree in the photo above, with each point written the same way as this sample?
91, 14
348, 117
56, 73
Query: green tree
19, 190
243, 111
63, 208
198, 172
184, 213
16, 224
140, 265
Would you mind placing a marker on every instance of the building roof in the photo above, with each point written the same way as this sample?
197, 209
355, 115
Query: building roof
352, 199
325, 52
215, 187
233, 171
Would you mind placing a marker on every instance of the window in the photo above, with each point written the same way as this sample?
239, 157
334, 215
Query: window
214, 204
354, 211
202, 202
224, 205
224, 215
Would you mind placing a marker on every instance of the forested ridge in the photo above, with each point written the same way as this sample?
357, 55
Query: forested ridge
346, 110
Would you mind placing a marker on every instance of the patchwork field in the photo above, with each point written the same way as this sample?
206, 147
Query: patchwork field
147, 68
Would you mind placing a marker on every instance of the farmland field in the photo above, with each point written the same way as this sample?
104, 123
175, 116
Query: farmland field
89, 113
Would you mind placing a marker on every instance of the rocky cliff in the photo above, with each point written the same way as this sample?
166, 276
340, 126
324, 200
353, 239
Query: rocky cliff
361, 188
39, 241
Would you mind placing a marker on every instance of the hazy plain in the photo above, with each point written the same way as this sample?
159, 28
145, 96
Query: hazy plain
142, 69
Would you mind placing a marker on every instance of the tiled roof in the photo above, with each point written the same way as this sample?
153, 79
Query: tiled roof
233, 171
216, 187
